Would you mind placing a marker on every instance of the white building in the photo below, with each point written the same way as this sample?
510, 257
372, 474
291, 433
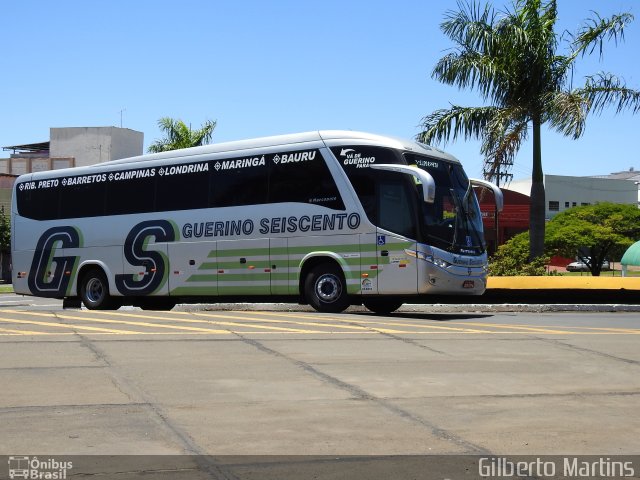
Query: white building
564, 192
629, 175
73, 147
91, 145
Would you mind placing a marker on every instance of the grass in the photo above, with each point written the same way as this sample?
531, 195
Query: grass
6, 288
612, 273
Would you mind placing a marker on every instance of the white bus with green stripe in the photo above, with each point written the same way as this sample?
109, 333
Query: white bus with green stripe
329, 218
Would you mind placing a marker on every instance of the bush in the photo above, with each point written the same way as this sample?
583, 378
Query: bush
512, 259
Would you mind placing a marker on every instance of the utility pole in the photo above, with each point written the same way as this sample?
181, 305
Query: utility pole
494, 172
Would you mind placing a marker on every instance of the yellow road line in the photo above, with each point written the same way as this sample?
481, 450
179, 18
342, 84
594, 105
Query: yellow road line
613, 329
347, 327
302, 321
271, 327
552, 330
96, 331
534, 328
420, 325
546, 327
25, 332
292, 318
136, 315
517, 327
434, 327
138, 324
267, 320
69, 327
380, 322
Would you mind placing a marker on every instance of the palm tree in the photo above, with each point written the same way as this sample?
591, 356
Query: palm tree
512, 59
179, 135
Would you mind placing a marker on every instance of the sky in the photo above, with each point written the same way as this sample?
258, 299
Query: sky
273, 67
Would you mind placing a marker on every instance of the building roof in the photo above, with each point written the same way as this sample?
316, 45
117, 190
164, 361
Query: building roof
632, 255
29, 147
631, 174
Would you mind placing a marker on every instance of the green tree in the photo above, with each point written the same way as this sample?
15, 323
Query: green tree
512, 59
5, 242
604, 230
5, 231
178, 135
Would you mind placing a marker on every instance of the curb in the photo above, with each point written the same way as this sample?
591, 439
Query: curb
418, 308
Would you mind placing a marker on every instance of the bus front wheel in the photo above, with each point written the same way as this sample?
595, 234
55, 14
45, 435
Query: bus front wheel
94, 291
382, 306
326, 289
157, 303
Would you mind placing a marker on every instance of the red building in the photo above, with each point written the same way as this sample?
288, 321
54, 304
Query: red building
513, 219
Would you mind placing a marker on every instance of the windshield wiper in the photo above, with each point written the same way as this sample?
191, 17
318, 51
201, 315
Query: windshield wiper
459, 210
466, 197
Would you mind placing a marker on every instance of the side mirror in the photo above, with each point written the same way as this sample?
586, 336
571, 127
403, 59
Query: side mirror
494, 188
428, 183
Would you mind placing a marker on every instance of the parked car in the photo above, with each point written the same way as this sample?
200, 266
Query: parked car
580, 266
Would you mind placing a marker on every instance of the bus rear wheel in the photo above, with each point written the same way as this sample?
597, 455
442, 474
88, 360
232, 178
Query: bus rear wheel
94, 291
326, 289
382, 306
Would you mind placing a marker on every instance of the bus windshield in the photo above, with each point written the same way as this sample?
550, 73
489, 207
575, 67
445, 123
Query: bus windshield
453, 222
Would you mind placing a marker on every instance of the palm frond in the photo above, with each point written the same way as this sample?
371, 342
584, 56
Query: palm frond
178, 135
567, 112
596, 30
203, 135
443, 125
503, 137
468, 70
605, 89
471, 26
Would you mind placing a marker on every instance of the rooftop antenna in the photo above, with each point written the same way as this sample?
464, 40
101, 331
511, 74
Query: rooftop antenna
121, 111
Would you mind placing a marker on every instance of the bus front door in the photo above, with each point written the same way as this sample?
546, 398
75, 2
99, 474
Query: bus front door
397, 270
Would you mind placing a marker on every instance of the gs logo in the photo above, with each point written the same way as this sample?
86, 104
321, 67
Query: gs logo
154, 263
48, 275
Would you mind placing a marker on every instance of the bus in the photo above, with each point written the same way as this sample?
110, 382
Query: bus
326, 218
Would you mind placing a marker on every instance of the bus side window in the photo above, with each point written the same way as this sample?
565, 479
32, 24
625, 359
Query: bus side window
134, 195
187, 191
238, 186
365, 188
304, 182
80, 201
42, 204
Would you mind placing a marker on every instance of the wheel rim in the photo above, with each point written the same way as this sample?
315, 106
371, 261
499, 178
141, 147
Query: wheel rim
328, 288
95, 290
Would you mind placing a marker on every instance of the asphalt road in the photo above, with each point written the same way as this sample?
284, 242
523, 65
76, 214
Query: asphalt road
227, 382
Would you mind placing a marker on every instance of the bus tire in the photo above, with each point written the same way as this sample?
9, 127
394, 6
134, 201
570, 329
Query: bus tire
382, 306
94, 291
157, 303
325, 288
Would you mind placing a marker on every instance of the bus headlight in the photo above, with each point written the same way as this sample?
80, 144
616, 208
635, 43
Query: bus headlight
441, 263
428, 258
